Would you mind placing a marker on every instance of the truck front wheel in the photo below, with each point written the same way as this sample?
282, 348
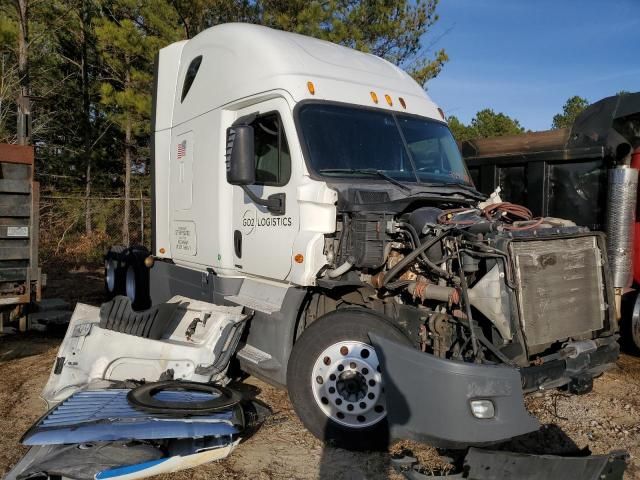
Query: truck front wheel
630, 322
335, 382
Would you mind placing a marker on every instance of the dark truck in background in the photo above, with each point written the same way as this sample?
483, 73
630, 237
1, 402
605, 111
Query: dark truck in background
20, 276
586, 173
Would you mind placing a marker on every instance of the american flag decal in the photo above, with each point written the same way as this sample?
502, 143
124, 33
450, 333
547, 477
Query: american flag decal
182, 149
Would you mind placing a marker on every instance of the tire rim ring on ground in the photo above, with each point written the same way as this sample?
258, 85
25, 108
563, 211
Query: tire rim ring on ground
346, 384
143, 398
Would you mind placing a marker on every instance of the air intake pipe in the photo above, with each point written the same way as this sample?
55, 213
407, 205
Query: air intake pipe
621, 217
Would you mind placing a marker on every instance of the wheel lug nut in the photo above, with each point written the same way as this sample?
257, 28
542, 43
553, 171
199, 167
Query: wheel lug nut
365, 371
344, 350
340, 368
326, 360
353, 365
338, 401
332, 390
363, 405
332, 377
350, 407
320, 380
372, 383
370, 395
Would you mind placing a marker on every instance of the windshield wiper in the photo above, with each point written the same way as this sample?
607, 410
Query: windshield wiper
468, 188
367, 171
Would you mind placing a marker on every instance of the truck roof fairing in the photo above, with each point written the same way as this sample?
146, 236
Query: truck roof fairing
242, 60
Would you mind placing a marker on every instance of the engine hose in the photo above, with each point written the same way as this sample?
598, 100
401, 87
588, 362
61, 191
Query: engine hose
342, 269
501, 256
402, 264
467, 305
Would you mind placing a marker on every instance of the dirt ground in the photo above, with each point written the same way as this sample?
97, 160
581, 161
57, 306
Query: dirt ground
606, 419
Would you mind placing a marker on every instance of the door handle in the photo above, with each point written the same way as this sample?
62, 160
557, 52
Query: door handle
237, 243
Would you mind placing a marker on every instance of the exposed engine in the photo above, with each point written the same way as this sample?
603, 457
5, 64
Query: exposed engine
486, 283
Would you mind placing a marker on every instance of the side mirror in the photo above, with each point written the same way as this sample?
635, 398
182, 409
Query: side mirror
241, 168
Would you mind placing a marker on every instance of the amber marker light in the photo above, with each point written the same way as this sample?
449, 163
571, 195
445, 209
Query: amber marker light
402, 102
374, 97
162, 250
311, 87
299, 258
388, 99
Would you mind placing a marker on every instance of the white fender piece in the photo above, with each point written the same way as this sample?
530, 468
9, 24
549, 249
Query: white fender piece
181, 341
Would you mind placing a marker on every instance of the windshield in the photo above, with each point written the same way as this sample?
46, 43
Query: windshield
351, 141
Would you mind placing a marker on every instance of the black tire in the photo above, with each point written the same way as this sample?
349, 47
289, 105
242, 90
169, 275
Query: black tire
352, 324
630, 323
115, 271
137, 285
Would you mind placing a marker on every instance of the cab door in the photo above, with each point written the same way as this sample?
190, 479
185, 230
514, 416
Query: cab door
262, 240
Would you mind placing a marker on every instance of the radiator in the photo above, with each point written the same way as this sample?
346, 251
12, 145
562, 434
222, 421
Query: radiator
560, 289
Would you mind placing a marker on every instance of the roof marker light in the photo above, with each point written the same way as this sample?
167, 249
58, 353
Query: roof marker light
388, 99
402, 102
374, 97
311, 87
441, 112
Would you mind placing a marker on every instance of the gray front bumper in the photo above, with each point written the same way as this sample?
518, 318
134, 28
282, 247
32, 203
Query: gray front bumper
428, 398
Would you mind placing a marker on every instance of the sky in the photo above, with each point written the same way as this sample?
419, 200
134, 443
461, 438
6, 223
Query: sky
525, 58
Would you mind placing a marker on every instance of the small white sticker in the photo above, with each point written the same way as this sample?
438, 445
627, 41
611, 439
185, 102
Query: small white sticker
184, 234
17, 231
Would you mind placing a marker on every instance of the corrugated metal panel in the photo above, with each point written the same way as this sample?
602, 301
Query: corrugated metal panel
106, 415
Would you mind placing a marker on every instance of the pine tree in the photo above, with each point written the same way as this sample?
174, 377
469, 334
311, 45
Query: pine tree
129, 34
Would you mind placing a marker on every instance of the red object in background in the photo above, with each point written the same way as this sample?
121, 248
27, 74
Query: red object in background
635, 163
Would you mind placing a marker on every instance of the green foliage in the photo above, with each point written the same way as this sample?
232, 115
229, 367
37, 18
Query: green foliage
573, 107
91, 67
460, 131
485, 124
391, 29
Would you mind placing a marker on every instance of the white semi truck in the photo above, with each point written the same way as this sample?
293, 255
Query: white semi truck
320, 189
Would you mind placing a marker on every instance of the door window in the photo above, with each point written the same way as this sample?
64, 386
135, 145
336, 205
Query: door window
273, 161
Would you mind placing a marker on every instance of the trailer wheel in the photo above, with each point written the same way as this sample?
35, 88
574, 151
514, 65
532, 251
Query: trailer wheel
137, 279
115, 271
334, 380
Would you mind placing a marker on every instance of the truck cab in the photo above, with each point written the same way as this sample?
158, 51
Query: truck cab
320, 189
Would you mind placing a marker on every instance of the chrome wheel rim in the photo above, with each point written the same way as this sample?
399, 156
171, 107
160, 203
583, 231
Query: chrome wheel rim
110, 269
347, 384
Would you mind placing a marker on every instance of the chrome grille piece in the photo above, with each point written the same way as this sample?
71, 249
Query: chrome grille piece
106, 415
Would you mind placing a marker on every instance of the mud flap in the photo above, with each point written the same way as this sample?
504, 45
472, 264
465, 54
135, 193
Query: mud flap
429, 399
496, 465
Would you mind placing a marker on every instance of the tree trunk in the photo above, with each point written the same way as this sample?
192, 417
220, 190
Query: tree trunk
86, 116
24, 106
127, 182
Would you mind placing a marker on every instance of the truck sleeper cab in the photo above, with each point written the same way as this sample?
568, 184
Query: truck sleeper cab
321, 189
